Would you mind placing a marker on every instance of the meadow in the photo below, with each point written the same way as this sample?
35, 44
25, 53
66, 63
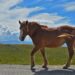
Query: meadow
20, 54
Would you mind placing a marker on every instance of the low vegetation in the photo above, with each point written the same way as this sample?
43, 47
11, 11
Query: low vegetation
20, 54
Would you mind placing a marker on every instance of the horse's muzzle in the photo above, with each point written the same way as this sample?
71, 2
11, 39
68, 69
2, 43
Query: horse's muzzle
22, 39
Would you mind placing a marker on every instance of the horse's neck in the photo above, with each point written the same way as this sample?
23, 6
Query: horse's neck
32, 33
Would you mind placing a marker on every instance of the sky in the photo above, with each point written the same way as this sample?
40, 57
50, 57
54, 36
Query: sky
48, 12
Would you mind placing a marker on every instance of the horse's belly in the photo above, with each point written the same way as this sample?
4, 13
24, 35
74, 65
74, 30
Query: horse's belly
55, 42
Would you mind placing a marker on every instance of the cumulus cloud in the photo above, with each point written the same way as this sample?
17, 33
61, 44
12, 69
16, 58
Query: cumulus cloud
4, 31
70, 6
6, 4
50, 19
9, 17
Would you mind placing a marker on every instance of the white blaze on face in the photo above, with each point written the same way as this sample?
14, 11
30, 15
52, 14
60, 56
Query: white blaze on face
21, 34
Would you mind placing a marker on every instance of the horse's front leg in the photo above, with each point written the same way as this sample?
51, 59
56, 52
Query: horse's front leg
71, 52
44, 57
35, 49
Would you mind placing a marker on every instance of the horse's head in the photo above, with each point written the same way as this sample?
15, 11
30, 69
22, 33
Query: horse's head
28, 28
23, 30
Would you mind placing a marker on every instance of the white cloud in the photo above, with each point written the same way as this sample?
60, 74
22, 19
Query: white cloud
9, 18
63, 22
4, 31
47, 19
6, 4
70, 6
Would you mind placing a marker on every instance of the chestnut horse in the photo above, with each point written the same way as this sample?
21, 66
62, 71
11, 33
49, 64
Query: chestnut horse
42, 37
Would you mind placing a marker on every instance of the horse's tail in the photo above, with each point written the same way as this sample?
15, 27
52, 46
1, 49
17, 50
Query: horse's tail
66, 35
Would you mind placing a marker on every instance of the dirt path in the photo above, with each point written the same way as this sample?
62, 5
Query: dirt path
25, 70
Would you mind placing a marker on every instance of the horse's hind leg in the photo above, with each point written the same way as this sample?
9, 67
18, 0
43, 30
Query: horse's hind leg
71, 52
44, 57
35, 49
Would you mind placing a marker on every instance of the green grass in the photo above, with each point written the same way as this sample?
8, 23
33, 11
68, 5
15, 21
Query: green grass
20, 54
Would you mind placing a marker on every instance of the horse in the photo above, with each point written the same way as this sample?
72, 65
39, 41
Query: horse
43, 36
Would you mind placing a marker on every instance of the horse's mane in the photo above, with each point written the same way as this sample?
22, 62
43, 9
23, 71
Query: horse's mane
35, 23
67, 27
60, 27
38, 24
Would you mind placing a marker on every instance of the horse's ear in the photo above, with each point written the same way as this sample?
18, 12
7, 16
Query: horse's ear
19, 22
27, 22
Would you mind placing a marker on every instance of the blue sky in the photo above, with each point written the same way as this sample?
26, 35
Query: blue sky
48, 12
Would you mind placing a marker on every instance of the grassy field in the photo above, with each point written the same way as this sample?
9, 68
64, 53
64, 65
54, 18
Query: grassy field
20, 54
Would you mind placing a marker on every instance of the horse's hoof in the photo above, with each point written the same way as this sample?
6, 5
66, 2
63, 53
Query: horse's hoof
45, 67
32, 69
32, 66
65, 67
